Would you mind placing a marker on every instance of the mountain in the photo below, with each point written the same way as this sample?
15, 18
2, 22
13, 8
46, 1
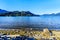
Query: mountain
53, 14
18, 13
3, 11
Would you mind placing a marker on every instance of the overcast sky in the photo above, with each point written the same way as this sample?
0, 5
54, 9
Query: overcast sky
35, 6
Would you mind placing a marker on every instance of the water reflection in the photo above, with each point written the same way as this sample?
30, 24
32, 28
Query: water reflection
51, 21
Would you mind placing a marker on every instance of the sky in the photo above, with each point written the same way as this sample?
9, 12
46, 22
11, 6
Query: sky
34, 6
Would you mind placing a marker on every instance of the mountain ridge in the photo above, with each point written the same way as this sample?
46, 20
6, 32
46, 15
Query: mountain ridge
53, 14
23, 13
16, 13
3, 11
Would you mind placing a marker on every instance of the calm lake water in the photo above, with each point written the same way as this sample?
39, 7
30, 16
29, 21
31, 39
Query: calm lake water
50, 22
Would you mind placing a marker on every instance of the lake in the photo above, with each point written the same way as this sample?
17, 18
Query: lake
50, 22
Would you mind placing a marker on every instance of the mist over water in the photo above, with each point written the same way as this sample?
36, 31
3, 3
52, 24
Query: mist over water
50, 22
